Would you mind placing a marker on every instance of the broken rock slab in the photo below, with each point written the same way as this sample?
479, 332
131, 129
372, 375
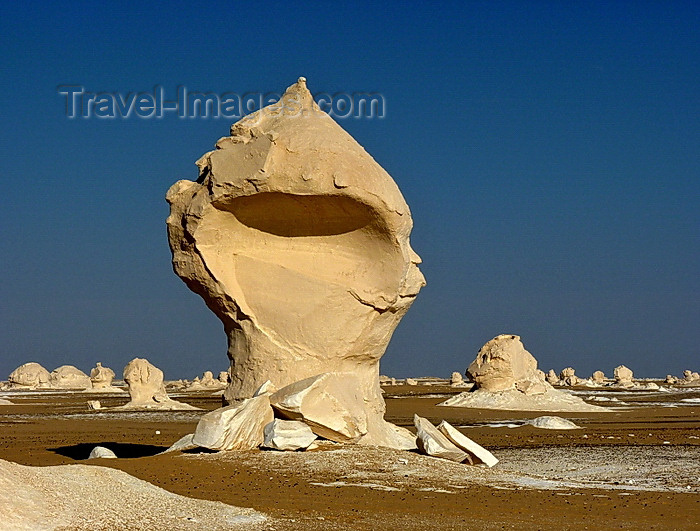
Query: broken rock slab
465, 443
330, 403
434, 443
237, 427
288, 435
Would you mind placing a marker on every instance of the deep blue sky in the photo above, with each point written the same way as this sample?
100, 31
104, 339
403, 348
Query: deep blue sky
549, 153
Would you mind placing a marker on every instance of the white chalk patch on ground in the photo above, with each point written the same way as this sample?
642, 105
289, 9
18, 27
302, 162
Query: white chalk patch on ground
373, 486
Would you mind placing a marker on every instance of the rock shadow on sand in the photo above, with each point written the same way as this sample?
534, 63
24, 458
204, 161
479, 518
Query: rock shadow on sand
82, 451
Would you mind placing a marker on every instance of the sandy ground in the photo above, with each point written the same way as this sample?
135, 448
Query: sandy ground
634, 466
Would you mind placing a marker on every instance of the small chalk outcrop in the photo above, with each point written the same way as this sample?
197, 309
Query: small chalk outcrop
434, 443
552, 378
598, 377
690, 378
289, 435
457, 380
101, 377
237, 427
479, 453
5, 402
568, 377
146, 388
553, 423
30, 376
69, 377
506, 377
100, 452
624, 377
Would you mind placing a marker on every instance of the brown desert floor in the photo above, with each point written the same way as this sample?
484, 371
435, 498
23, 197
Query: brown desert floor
363, 488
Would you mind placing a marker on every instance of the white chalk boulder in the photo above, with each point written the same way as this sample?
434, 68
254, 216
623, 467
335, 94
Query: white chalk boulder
288, 435
465, 443
432, 442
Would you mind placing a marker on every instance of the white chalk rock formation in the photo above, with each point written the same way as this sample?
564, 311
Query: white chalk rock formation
598, 377
299, 242
101, 377
288, 435
568, 377
94, 404
411, 381
457, 379
434, 443
146, 387
30, 376
479, 453
334, 408
237, 427
224, 377
503, 364
5, 402
670, 379
623, 376
97, 497
552, 377
553, 423
100, 452
183, 443
69, 377
506, 377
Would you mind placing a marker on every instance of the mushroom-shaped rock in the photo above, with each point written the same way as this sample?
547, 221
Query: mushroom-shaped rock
299, 242
224, 377
146, 387
456, 379
237, 427
101, 377
433, 442
465, 443
623, 376
69, 377
288, 435
30, 376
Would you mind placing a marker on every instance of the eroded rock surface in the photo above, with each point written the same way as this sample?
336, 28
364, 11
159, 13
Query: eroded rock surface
101, 377
69, 377
299, 242
623, 376
30, 376
146, 387
506, 377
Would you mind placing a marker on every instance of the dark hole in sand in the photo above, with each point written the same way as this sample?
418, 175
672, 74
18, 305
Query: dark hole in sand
122, 450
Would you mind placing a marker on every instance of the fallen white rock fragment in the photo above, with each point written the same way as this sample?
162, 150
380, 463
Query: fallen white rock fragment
553, 423
465, 443
100, 452
237, 427
330, 403
94, 404
183, 443
288, 435
433, 443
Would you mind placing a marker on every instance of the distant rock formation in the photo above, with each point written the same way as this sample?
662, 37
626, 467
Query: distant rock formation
30, 376
101, 377
506, 377
598, 377
623, 376
568, 377
69, 377
457, 379
299, 242
146, 387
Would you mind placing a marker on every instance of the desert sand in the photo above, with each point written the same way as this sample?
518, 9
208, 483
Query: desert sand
634, 466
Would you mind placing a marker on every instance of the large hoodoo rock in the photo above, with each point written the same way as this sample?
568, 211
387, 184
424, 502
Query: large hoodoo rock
299, 242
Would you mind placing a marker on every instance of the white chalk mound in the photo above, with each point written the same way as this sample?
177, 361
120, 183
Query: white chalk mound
506, 377
30, 376
100, 452
288, 435
75, 497
69, 377
553, 423
146, 388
